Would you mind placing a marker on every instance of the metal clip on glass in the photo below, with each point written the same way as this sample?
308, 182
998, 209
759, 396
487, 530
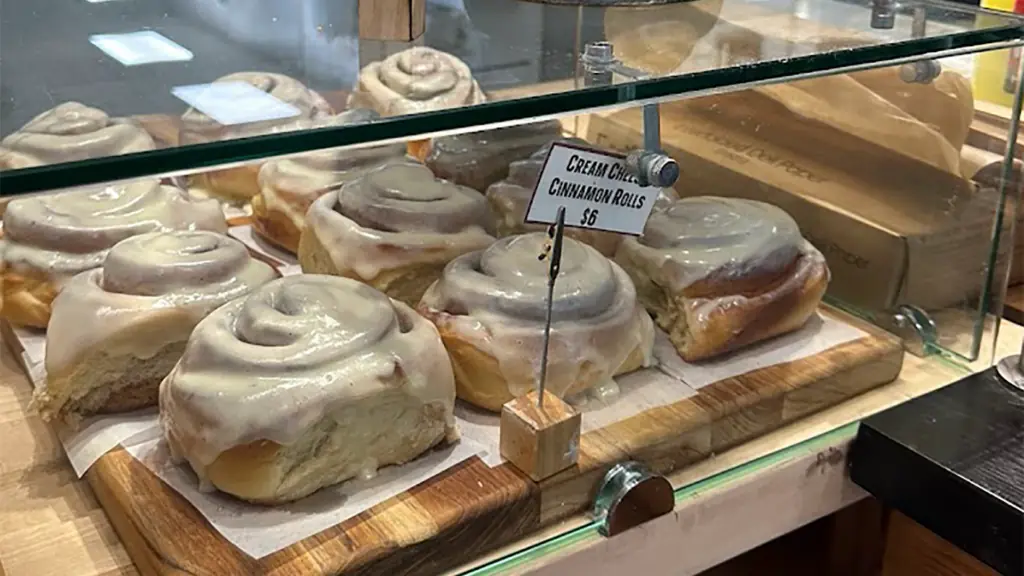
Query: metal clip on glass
629, 496
649, 165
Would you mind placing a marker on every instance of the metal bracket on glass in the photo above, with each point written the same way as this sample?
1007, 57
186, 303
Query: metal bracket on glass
916, 328
650, 166
920, 72
1011, 369
883, 14
630, 495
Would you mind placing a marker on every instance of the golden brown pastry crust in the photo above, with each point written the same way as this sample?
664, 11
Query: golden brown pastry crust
26, 297
274, 227
232, 185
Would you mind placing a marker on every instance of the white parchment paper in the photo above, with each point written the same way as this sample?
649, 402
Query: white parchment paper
672, 380
245, 235
262, 530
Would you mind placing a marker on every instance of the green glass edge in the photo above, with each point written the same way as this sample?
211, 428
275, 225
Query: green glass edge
180, 159
590, 530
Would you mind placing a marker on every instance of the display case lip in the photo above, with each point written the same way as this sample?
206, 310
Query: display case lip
177, 160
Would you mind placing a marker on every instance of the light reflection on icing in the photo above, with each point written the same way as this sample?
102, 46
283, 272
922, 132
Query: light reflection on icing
147, 277
64, 234
68, 132
396, 215
198, 127
419, 79
275, 362
496, 299
706, 236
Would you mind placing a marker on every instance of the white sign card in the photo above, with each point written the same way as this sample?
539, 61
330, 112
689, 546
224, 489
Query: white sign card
596, 188
143, 47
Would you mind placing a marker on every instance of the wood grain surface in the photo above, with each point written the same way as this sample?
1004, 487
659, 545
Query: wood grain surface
471, 508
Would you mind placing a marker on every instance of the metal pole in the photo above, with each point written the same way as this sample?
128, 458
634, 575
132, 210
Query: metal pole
557, 233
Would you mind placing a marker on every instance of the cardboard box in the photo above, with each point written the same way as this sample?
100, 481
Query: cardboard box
894, 231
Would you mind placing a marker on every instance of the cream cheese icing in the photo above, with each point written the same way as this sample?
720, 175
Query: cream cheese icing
185, 273
63, 234
275, 362
395, 215
416, 80
724, 239
495, 299
291, 184
71, 131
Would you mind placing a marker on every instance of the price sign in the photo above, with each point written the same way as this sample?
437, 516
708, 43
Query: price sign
596, 188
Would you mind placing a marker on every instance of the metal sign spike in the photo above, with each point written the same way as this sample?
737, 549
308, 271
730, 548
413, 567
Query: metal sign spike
557, 232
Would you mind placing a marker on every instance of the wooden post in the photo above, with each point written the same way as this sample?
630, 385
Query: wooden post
540, 441
402, 20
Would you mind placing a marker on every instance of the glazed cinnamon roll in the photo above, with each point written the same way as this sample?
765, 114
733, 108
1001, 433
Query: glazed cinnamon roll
482, 158
237, 185
416, 80
509, 199
50, 238
306, 382
489, 307
70, 132
117, 331
718, 274
394, 228
290, 185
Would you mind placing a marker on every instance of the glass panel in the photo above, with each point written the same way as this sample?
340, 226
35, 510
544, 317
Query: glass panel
144, 60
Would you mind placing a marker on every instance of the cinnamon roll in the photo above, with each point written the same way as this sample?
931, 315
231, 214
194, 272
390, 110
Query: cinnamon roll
416, 80
718, 274
306, 382
238, 185
489, 307
394, 228
509, 199
50, 238
116, 331
482, 158
70, 132
290, 185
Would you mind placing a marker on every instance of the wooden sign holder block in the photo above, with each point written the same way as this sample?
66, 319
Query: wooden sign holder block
540, 440
402, 20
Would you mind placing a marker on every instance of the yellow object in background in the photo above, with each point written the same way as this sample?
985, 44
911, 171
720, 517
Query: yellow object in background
995, 73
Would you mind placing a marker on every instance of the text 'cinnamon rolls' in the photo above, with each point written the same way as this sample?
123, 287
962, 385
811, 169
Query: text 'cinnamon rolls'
237, 185
394, 228
416, 80
489, 307
70, 132
718, 274
290, 185
117, 331
50, 238
307, 381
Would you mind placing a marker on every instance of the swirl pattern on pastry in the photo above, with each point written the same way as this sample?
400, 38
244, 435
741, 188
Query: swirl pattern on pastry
721, 273
272, 365
198, 127
65, 234
60, 235
392, 218
149, 294
416, 80
69, 132
493, 302
290, 185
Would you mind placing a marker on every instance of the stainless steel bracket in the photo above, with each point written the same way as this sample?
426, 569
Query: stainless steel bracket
630, 495
916, 328
651, 166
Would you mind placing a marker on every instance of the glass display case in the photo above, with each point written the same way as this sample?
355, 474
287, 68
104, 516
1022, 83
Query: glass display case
317, 259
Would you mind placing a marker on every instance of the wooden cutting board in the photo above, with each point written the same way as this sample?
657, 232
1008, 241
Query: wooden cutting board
472, 508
